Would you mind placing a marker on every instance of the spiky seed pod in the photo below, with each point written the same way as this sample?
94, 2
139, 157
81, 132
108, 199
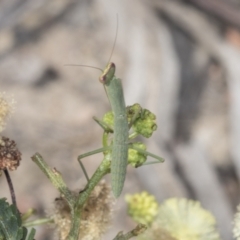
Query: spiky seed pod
10, 156
95, 217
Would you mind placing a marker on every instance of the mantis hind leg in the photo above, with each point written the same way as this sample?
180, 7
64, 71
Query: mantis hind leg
80, 157
159, 159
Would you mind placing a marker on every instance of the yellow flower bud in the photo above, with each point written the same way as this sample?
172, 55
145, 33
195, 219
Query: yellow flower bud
142, 207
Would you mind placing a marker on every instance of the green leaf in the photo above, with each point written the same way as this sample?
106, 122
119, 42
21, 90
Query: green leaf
31, 234
10, 222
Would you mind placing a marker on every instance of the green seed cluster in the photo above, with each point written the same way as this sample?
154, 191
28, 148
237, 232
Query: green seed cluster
134, 112
135, 158
142, 120
145, 125
108, 118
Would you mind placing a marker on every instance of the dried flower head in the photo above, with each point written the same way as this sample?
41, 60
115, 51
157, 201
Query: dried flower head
95, 218
6, 108
10, 156
186, 219
142, 207
236, 226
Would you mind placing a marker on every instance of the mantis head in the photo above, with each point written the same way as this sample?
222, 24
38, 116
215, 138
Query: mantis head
108, 73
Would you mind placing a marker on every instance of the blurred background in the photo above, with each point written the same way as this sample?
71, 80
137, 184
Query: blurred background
179, 59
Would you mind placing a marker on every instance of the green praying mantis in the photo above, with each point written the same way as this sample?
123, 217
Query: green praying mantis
114, 90
121, 120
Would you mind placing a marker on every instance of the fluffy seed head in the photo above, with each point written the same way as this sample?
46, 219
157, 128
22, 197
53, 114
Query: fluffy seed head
186, 219
95, 218
6, 108
182, 219
236, 226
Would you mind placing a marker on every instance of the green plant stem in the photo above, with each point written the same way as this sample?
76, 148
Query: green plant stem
56, 179
139, 229
27, 214
133, 135
102, 170
76, 204
75, 225
31, 234
37, 222
105, 139
11, 188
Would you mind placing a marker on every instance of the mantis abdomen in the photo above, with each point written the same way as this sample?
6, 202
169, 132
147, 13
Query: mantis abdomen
119, 153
